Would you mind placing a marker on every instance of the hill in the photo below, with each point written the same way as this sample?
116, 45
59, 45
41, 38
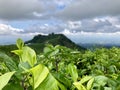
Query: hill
39, 42
54, 39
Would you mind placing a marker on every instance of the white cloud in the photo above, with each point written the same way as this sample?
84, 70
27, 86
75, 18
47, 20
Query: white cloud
9, 34
9, 30
74, 24
37, 14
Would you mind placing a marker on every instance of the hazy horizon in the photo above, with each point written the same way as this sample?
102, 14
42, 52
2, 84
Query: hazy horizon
84, 40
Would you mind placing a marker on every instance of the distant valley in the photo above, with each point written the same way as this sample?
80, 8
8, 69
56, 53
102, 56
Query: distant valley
98, 45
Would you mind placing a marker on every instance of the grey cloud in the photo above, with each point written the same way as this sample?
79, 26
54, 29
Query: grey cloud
62, 9
89, 9
45, 28
108, 29
88, 26
30, 9
19, 9
93, 26
100, 26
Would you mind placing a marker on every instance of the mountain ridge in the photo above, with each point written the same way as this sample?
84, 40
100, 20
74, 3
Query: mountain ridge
54, 39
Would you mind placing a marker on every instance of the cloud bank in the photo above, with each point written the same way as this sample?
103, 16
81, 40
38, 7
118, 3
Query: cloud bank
74, 18
82, 9
19, 9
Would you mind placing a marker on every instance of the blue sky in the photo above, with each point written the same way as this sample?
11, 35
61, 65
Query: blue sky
83, 21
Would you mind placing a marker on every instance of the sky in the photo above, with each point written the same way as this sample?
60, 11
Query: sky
83, 21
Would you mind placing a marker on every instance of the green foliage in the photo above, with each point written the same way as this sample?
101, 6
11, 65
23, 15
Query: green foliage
105, 83
39, 73
50, 83
60, 68
72, 70
81, 84
4, 79
29, 74
25, 53
8, 62
13, 86
20, 43
93, 64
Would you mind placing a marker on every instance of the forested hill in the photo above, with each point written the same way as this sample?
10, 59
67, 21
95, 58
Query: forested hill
54, 39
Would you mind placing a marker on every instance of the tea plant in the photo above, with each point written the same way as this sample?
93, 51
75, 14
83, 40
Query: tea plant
60, 68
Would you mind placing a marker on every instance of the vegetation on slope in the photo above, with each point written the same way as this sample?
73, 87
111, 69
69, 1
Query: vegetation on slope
91, 70
54, 39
